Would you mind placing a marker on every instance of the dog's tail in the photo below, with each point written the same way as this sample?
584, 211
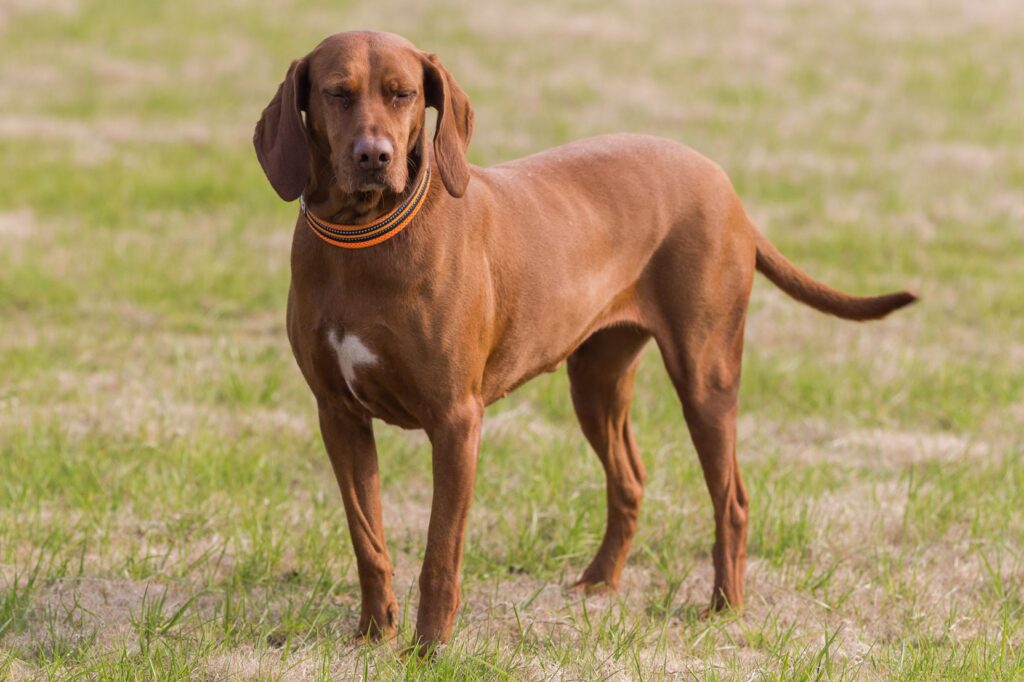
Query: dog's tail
788, 277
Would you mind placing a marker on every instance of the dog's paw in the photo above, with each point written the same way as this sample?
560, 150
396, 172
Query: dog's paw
377, 628
422, 650
590, 587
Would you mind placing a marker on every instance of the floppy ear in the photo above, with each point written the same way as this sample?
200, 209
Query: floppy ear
280, 138
454, 124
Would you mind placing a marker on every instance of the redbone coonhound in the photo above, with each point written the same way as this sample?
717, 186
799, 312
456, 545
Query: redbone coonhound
424, 289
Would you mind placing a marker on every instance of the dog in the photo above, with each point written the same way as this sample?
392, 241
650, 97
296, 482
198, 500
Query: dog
424, 289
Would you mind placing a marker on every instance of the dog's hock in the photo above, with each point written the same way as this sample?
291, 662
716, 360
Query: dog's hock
352, 353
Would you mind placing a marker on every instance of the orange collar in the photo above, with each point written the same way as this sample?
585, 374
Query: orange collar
380, 230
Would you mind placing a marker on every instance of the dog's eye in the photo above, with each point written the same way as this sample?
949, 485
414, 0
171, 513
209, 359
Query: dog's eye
402, 95
343, 95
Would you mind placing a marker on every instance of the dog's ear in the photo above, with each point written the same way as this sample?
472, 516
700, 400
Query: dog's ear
280, 138
454, 124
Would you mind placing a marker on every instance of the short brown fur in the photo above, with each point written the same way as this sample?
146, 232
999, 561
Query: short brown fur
581, 253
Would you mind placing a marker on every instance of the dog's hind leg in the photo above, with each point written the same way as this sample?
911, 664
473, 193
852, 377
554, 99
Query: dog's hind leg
601, 374
695, 296
703, 359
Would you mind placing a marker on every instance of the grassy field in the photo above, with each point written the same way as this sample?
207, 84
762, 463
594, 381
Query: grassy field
166, 506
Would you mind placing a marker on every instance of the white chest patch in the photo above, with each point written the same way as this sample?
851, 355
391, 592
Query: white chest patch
352, 353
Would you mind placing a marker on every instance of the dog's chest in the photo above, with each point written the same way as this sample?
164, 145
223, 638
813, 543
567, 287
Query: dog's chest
360, 366
357, 363
354, 357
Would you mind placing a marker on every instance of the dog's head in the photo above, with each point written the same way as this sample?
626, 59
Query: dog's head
364, 97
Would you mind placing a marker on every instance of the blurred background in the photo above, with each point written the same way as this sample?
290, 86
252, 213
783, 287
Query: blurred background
166, 507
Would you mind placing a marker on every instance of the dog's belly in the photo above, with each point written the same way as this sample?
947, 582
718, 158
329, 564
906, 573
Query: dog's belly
541, 339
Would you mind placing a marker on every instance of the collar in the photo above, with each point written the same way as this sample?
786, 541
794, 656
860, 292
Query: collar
380, 230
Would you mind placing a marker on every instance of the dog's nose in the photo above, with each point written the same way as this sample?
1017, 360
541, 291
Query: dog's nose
373, 153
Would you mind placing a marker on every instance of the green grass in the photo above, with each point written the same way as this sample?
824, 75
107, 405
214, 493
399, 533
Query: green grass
166, 507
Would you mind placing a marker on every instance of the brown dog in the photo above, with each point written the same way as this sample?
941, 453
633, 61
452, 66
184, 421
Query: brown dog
584, 252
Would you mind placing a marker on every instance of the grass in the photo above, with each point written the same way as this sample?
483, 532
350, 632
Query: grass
166, 507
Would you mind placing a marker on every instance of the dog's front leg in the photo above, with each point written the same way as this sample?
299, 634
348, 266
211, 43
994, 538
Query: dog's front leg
353, 453
456, 442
